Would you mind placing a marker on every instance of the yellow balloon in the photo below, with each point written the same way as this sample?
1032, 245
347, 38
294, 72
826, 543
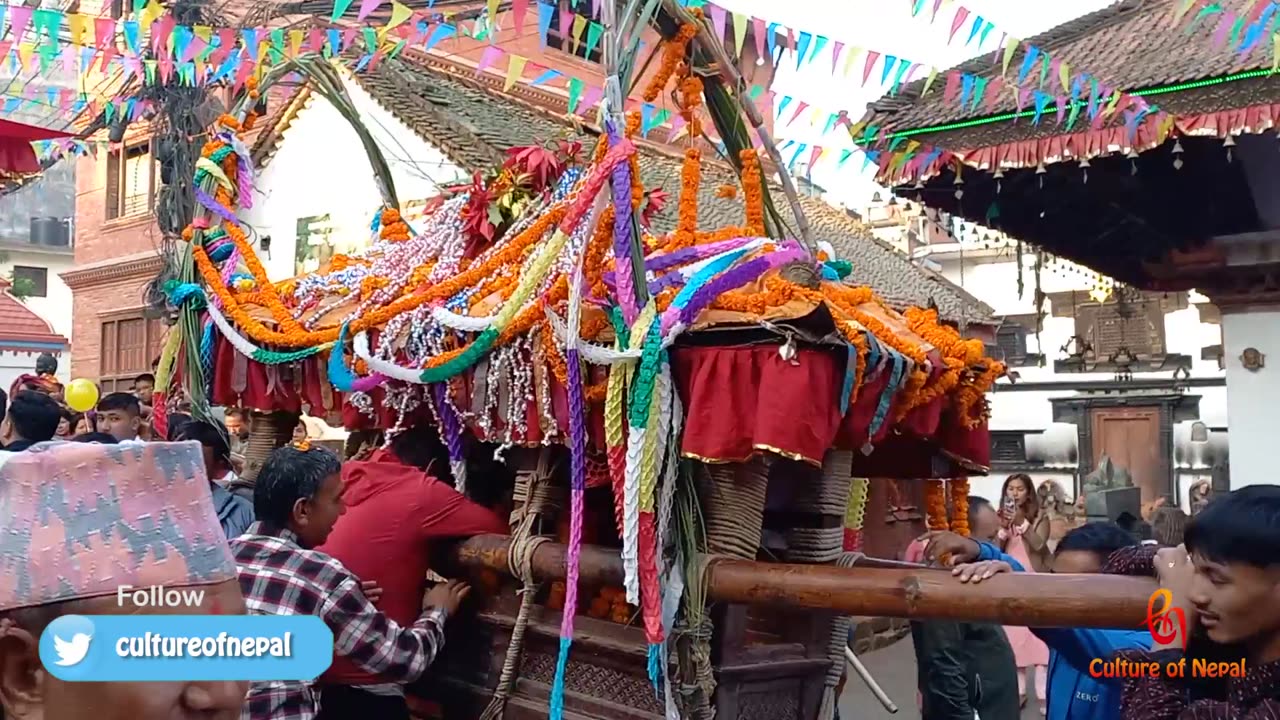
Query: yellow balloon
81, 395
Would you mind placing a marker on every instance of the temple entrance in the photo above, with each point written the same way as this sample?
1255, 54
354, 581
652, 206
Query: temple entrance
1131, 438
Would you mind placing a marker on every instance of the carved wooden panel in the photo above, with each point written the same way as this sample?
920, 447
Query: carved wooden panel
769, 706
1136, 325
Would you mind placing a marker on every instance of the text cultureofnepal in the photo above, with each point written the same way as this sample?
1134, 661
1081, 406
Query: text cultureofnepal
155, 645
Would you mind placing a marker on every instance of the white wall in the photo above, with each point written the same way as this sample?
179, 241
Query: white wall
321, 168
995, 283
1254, 395
55, 307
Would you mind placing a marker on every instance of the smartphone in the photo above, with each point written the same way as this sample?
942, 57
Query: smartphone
1010, 505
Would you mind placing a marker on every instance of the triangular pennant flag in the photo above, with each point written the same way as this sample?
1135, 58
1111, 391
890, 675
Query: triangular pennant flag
490, 56
889, 63
130, 30
792, 162
1045, 61
547, 75
1275, 53
579, 24
966, 88
835, 55
973, 31
772, 36
814, 154
575, 93
757, 31
844, 157
903, 65
957, 21
952, 86
519, 8
986, 30
831, 122
802, 48
441, 32
872, 57
677, 128
646, 115
718, 18
545, 14
566, 21
400, 13
849, 58
591, 99
739, 33
594, 32
515, 67
1028, 61
1010, 45
492, 13
933, 75
1061, 102
819, 42
799, 109
340, 8
367, 7
786, 100
1042, 101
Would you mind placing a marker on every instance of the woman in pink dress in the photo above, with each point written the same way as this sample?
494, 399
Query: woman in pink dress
1024, 535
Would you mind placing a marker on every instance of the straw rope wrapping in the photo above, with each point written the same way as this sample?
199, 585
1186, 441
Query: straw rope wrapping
520, 561
835, 649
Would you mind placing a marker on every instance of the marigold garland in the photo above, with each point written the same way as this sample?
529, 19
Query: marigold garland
935, 504
673, 52
687, 220
727, 192
960, 506
394, 228
752, 191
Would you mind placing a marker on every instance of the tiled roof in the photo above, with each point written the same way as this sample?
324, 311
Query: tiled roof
18, 324
1131, 45
473, 125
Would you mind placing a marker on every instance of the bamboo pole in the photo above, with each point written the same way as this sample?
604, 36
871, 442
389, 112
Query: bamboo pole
728, 71
1033, 599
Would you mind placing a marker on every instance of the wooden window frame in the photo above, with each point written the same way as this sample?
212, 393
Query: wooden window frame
41, 286
117, 203
116, 371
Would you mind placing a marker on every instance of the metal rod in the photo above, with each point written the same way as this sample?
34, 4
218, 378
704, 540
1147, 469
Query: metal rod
1033, 599
872, 685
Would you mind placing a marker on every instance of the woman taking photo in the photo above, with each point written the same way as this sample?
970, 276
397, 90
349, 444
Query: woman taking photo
1024, 535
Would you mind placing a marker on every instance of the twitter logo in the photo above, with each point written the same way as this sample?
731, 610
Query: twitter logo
65, 646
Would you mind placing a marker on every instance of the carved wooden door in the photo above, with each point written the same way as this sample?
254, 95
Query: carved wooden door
1131, 438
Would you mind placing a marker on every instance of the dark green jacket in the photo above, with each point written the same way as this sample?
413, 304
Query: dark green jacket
965, 668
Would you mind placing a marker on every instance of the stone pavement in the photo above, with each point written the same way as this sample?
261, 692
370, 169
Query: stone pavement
894, 668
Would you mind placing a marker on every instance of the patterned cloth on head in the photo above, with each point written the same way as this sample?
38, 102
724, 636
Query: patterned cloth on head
81, 519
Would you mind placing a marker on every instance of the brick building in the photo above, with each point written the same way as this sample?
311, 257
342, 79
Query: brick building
118, 241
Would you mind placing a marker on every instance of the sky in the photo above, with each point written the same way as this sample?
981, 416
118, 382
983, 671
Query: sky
888, 27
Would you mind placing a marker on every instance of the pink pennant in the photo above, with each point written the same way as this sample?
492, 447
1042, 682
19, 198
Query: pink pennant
764, 104
718, 16
595, 8
994, 89
835, 55
492, 54
194, 48
566, 19
758, 30
1061, 101
315, 40
348, 37
911, 73
676, 124
799, 109
367, 7
518, 10
243, 73
791, 39
19, 20
952, 87
590, 99
1220, 34
872, 57
226, 45
995, 57
161, 31
814, 154
957, 21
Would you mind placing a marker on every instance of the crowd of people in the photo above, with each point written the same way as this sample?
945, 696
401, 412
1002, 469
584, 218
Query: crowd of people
354, 542
1218, 566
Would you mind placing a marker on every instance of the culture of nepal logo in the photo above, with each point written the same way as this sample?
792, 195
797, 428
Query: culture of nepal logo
1166, 625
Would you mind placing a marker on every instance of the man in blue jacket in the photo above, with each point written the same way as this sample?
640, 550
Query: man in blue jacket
1074, 694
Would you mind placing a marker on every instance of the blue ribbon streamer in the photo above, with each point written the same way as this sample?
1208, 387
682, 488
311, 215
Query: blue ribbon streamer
340, 376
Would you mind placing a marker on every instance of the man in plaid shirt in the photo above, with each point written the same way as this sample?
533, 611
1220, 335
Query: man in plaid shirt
297, 499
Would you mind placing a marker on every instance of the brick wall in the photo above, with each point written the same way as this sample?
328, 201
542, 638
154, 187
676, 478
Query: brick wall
89, 306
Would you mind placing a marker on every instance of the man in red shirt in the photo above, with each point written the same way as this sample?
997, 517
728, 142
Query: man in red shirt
397, 511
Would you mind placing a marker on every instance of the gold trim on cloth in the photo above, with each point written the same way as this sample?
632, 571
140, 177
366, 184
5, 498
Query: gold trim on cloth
760, 448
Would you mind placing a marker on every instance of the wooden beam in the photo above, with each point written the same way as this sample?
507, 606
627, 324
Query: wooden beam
870, 589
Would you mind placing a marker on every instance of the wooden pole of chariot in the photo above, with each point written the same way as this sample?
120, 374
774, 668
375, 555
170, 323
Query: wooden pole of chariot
869, 588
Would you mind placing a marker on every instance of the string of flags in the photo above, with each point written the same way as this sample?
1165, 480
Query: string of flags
1240, 31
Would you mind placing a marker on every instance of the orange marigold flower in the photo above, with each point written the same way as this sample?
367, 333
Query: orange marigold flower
727, 192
